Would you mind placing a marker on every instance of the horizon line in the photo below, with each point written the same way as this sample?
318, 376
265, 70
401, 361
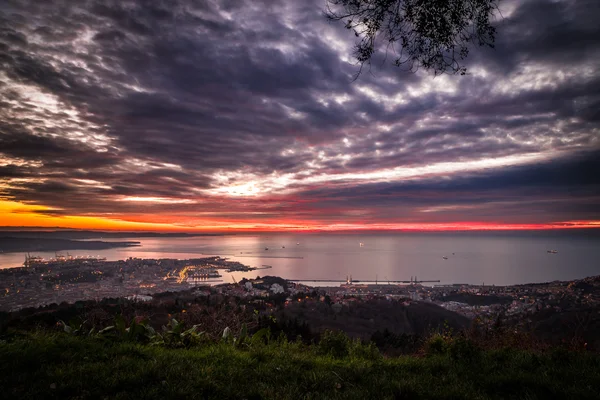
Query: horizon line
231, 231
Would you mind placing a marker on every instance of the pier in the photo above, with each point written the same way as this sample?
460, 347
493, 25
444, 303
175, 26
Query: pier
350, 281
261, 255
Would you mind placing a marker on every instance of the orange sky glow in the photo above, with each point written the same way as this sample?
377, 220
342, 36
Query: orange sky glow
104, 126
14, 214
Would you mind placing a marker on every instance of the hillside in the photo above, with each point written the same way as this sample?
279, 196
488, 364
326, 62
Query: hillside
362, 319
203, 344
58, 366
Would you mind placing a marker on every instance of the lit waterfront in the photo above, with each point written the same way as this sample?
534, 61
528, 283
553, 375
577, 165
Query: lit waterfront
475, 258
58, 280
70, 280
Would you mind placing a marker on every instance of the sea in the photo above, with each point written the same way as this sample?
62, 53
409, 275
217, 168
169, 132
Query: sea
498, 258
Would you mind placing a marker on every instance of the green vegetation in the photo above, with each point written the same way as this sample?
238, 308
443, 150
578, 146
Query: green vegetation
136, 363
188, 346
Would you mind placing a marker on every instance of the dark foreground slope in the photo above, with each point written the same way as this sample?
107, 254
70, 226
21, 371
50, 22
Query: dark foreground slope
59, 366
363, 318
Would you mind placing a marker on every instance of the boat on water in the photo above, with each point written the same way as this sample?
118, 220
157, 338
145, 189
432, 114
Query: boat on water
297, 243
283, 247
266, 248
361, 244
552, 251
445, 258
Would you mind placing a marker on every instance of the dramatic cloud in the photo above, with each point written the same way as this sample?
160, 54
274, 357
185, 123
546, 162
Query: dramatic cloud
208, 114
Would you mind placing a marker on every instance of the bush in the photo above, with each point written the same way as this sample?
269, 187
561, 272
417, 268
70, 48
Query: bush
365, 351
436, 345
335, 344
463, 349
393, 344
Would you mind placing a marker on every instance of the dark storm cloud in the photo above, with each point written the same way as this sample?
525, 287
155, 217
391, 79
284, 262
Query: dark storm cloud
41, 211
13, 37
556, 32
577, 172
12, 171
109, 99
19, 143
567, 187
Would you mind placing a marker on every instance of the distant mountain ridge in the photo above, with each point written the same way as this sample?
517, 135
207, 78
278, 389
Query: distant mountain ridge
19, 244
75, 234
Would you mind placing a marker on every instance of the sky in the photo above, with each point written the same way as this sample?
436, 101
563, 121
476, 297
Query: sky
189, 115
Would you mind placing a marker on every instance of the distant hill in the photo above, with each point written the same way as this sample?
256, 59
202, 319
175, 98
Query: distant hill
19, 244
362, 319
79, 234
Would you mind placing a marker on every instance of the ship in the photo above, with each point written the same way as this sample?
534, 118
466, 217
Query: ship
552, 251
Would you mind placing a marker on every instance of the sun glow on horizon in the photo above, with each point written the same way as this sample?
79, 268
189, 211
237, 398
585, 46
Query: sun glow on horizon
18, 215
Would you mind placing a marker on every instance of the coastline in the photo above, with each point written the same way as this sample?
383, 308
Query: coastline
17, 245
71, 280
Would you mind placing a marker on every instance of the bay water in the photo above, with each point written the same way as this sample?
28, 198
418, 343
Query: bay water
498, 258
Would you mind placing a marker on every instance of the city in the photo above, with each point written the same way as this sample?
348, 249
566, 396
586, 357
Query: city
64, 279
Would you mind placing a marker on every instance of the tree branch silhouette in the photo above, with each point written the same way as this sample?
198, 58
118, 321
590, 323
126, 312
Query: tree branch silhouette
430, 34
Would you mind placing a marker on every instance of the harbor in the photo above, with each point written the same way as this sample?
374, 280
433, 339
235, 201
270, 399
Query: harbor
351, 281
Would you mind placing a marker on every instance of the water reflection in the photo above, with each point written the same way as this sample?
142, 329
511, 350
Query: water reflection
475, 258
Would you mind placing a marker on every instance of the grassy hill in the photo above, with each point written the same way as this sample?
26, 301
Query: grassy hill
275, 349
57, 365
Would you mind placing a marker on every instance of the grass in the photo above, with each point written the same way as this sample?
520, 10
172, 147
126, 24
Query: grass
61, 366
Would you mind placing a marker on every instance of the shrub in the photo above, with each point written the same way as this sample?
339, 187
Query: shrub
335, 344
393, 343
562, 356
436, 345
365, 351
463, 349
